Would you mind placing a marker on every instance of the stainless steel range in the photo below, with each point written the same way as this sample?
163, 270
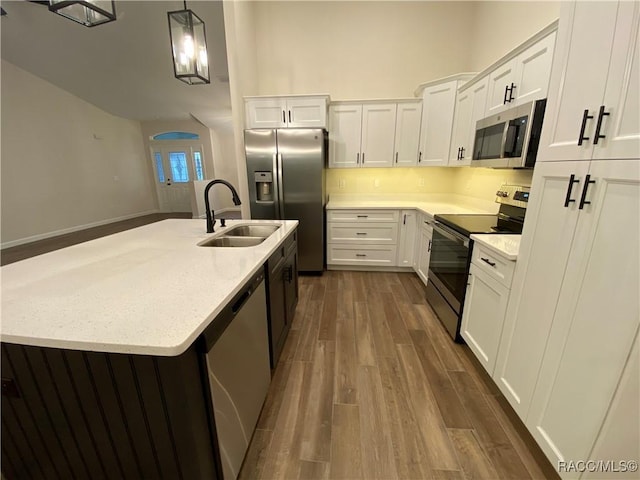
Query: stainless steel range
451, 250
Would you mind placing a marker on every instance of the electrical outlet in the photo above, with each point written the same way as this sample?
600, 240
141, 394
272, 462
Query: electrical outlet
421, 182
341, 183
376, 183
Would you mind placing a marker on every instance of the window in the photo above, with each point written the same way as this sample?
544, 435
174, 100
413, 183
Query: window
197, 165
176, 136
178, 165
159, 167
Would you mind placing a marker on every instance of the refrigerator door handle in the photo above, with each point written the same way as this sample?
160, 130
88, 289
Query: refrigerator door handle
280, 209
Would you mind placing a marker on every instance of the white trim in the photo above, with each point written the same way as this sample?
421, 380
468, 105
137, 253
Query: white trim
55, 233
370, 268
458, 76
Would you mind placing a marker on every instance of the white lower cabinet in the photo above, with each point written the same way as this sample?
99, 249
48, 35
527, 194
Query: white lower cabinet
485, 304
424, 247
407, 244
573, 315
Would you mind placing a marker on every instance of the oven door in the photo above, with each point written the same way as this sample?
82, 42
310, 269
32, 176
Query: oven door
449, 263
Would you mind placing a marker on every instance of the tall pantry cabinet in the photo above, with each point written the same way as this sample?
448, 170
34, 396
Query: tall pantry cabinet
573, 317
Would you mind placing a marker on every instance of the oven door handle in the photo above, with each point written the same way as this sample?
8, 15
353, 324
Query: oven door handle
451, 234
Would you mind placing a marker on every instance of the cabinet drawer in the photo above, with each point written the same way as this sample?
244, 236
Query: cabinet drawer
362, 215
379, 255
362, 234
498, 267
426, 223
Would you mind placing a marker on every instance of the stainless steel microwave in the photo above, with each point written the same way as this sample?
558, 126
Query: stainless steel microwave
509, 139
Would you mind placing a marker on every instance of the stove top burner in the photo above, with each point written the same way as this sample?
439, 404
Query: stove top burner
469, 224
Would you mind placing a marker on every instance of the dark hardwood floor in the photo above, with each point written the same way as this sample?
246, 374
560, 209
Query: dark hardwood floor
370, 386
27, 250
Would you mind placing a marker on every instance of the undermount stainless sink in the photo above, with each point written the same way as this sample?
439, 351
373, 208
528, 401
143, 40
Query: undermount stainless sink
252, 230
225, 241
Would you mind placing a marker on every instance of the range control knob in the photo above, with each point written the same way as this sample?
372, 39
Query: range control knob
502, 194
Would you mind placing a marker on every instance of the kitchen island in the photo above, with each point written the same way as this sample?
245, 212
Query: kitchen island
104, 372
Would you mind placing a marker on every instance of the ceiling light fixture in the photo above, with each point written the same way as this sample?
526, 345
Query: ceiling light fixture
188, 47
87, 12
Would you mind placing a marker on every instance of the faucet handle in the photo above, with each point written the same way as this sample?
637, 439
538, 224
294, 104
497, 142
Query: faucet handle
222, 224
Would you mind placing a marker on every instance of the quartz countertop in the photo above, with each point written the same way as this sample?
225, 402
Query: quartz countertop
432, 205
504, 245
150, 290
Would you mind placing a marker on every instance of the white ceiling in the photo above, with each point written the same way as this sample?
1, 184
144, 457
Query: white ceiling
123, 67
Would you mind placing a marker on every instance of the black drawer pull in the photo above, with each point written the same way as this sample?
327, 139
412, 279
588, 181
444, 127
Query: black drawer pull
360, 255
583, 200
362, 216
361, 233
597, 135
568, 199
585, 117
486, 260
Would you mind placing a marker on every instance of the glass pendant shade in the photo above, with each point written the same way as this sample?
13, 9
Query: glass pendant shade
87, 12
189, 47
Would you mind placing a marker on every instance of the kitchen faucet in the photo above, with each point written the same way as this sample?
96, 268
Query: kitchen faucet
236, 201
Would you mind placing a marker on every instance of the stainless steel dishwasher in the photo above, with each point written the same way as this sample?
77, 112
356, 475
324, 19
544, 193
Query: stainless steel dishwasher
237, 359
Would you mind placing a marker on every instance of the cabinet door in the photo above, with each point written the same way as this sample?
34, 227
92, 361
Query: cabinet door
424, 252
345, 126
438, 105
499, 80
596, 318
291, 286
266, 113
307, 112
532, 71
407, 133
407, 245
485, 306
480, 92
461, 126
542, 259
578, 79
621, 127
277, 312
378, 135
619, 437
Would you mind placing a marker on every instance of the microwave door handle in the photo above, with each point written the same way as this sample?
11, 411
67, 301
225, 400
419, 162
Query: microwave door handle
510, 140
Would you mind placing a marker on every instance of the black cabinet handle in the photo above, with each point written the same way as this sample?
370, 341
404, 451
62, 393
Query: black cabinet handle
461, 153
361, 233
511, 89
429, 248
458, 155
396, 157
601, 114
568, 199
289, 116
360, 255
486, 260
583, 200
419, 157
357, 158
363, 158
585, 117
404, 219
506, 91
284, 118
362, 216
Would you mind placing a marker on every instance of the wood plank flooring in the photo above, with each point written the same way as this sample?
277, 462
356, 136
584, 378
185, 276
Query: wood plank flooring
370, 386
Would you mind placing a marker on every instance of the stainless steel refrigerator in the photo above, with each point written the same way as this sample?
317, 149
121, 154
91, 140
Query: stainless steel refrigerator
285, 170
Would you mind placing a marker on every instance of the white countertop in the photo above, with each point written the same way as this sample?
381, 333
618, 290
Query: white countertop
150, 290
433, 204
504, 245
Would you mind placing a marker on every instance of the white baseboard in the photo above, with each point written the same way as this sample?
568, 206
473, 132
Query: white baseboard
370, 268
55, 233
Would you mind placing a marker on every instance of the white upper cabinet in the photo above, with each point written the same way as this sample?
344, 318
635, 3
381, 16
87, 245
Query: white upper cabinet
522, 79
286, 112
438, 105
470, 107
378, 135
407, 133
593, 103
345, 128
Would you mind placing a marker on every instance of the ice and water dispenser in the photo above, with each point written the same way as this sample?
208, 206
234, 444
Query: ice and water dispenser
264, 186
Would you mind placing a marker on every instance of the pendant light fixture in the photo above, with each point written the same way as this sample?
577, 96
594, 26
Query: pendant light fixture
188, 46
87, 12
